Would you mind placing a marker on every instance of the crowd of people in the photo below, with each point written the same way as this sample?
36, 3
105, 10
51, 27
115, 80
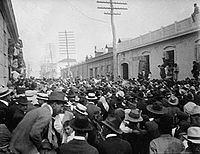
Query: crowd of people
136, 116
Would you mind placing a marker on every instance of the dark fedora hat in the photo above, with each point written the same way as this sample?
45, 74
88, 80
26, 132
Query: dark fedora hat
156, 108
57, 96
22, 100
81, 124
113, 122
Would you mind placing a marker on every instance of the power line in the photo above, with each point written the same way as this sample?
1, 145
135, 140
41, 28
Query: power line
79, 10
112, 7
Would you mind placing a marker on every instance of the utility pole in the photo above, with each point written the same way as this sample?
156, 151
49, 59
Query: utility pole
51, 65
67, 46
113, 5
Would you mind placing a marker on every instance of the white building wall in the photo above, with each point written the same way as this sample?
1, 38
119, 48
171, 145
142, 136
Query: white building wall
183, 55
3, 51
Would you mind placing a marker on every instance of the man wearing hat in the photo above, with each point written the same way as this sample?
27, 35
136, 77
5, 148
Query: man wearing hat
193, 138
28, 135
132, 132
5, 134
81, 126
4, 102
156, 110
113, 143
195, 116
166, 143
174, 111
16, 112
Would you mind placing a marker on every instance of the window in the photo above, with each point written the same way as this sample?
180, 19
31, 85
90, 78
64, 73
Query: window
91, 72
169, 55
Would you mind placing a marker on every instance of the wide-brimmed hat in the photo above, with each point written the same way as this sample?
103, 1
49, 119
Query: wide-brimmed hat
91, 96
113, 122
173, 100
22, 100
156, 108
30, 93
188, 107
195, 111
133, 115
57, 96
81, 109
42, 96
4, 91
193, 134
81, 124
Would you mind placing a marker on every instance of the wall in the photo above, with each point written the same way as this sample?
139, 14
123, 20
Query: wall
179, 36
184, 47
3, 51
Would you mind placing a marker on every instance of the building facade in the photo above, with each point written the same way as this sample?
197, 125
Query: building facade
98, 66
176, 43
11, 56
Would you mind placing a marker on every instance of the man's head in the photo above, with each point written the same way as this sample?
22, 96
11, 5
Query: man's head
56, 100
5, 93
195, 4
111, 125
22, 103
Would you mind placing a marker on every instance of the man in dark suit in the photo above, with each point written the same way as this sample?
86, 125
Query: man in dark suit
79, 145
16, 112
113, 143
28, 135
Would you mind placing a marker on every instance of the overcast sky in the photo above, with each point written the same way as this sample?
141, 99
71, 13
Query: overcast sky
39, 22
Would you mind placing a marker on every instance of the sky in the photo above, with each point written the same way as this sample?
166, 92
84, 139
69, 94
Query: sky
40, 21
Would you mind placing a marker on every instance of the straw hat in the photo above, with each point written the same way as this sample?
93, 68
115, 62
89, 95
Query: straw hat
91, 96
133, 115
195, 111
4, 91
193, 134
187, 108
42, 96
81, 109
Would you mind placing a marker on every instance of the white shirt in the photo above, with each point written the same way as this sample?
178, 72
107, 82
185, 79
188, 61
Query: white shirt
79, 138
104, 103
111, 135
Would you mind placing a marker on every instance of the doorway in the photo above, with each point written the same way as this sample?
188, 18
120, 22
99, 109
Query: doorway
144, 65
125, 71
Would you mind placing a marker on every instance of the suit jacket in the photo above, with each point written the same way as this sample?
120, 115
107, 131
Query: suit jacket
15, 115
77, 147
27, 136
114, 145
